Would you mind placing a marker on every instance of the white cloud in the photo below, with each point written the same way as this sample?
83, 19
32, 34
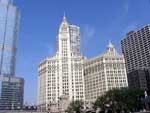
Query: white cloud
126, 7
130, 27
50, 49
87, 33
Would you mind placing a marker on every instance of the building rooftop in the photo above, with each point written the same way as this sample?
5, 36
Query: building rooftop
133, 31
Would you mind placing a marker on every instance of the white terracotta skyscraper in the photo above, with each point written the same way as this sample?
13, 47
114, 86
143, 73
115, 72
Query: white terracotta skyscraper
62, 74
103, 73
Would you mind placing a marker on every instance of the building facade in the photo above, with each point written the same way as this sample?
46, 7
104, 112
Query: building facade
104, 73
139, 79
9, 23
11, 87
11, 93
136, 47
62, 74
7, 1
136, 50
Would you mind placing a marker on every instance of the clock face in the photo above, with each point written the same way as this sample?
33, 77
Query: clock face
64, 35
64, 29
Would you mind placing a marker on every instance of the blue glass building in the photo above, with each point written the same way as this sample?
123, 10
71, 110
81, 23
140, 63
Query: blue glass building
9, 23
11, 87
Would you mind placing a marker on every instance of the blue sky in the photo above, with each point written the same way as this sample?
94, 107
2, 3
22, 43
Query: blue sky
100, 21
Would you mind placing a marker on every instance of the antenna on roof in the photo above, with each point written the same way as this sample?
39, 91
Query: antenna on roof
64, 14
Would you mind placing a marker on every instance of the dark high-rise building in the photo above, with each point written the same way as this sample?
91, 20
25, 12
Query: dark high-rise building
11, 93
136, 50
139, 79
11, 87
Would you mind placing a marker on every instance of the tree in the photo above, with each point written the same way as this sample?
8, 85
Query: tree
100, 102
120, 99
132, 98
114, 99
75, 106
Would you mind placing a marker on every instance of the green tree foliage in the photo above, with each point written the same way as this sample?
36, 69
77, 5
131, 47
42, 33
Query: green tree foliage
120, 99
75, 106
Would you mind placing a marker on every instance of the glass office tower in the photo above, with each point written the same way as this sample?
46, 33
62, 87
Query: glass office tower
6, 1
9, 23
11, 87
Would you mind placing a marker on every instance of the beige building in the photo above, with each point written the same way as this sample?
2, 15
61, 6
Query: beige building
62, 74
68, 74
104, 73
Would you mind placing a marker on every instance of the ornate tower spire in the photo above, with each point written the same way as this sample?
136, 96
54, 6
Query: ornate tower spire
111, 51
64, 25
64, 18
64, 15
110, 45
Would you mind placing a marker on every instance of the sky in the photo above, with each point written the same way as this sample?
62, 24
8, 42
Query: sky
100, 21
